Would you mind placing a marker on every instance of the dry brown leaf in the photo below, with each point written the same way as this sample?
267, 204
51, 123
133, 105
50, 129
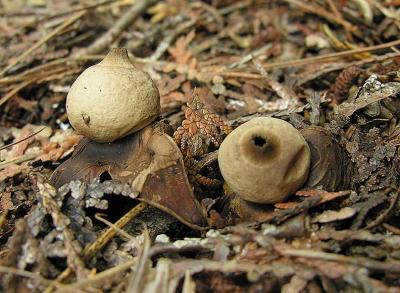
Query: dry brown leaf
332, 216
174, 97
326, 197
181, 53
368, 97
12, 170
168, 84
217, 105
329, 269
59, 146
20, 148
5, 201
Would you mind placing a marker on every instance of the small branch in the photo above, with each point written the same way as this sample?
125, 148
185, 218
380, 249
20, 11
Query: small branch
120, 25
21, 140
42, 41
393, 267
384, 215
323, 13
101, 241
281, 90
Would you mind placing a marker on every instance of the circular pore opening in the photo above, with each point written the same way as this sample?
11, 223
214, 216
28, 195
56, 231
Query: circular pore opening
259, 141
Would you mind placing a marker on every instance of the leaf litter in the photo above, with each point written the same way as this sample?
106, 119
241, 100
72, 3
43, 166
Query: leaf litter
76, 216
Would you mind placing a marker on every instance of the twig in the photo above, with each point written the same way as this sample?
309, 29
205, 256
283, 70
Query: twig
169, 38
254, 54
26, 274
20, 159
136, 281
357, 261
106, 275
97, 5
120, 25
281, 90
99, 217
101, 241
338, 66
21, 140
326, 57
281, 216
206, 160
15, 90
333, 8
383, 215
323, 13
391, 228
36, 70
42, 41
104, 238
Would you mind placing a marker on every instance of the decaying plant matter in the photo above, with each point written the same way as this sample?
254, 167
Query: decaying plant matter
326, 152
198, 131
146, 208
148, 161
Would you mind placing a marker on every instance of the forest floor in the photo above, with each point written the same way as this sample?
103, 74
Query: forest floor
328, 67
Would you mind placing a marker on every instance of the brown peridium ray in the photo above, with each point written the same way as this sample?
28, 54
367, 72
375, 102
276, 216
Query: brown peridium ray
331, 168
149, 161
325, 172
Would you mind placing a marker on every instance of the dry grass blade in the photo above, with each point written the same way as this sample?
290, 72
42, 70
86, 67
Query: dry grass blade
46, 38
281, 90
393, 267
26, 274
322, 12
328, 57
102, 240
120, 25
136, 284
21, 140
94, 280
16, 89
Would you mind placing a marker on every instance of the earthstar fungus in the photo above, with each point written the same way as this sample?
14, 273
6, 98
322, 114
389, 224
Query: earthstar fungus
112, 99
115, 105
264, 160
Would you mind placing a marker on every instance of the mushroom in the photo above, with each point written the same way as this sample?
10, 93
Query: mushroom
112, 99
264, 160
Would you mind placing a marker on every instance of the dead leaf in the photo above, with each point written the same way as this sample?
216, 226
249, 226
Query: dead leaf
174, 97
326, 197
368, 97
181, 53
12, 170
20, 148
59, 146
6, 202
331, 216
168, 84
295, 285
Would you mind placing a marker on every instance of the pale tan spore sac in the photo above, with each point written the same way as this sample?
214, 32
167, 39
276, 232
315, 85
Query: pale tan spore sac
264, 160
112, 99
